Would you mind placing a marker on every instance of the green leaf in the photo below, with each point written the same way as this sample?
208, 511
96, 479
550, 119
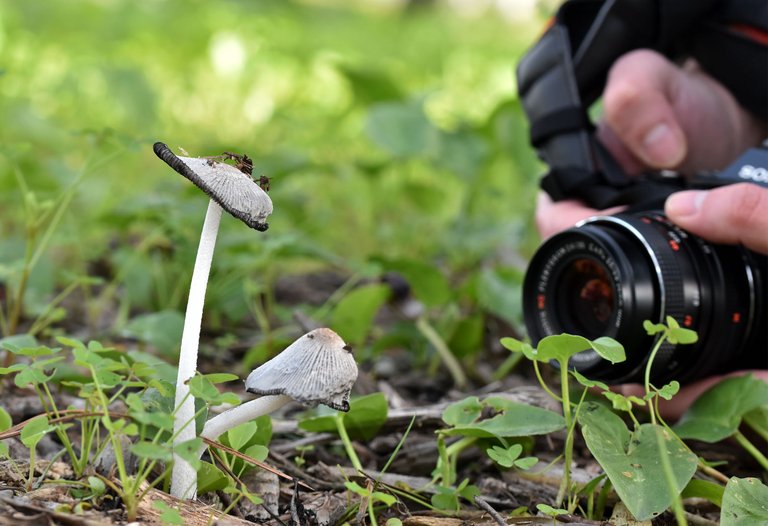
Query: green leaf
401, 129
220, 378
669, 390
168, 515
31, 351
518, 346
498, 292
34, 430
5, 423
428, 284
370, 84
463, 412
745, 503
512, 419
463, 152
682, 336
152, 451
5, 419
653, 328
239, 436
549, 510
631, 460
621, 402
560, 347
353, 315
505, 456
526, 462
586, 382
18, 341
704, 489
211, 478
717, 413
97, 486
365, 416
189, 451
162, 330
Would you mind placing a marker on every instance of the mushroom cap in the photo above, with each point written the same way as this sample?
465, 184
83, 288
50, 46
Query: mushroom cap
318, 368
235, 191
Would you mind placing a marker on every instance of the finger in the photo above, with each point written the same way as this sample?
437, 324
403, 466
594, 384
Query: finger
638, 108
731, 214
553, 217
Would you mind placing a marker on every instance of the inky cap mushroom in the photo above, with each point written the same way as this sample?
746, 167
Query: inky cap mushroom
235, 191
318, 368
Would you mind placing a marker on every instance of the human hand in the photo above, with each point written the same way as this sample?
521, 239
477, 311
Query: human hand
661, 116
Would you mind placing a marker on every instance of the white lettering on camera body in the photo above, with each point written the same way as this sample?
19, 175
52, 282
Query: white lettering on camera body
757, 174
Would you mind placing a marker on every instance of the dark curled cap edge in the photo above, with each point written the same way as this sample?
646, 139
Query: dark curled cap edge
171, 159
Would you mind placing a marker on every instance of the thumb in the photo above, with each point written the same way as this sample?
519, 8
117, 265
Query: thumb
732, 214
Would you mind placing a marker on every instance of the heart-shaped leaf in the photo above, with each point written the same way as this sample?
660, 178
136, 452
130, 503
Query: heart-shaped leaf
745, 503
717, 413
513, 419
632, 460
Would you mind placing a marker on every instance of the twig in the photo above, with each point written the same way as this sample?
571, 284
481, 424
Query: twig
481, 502
251, 460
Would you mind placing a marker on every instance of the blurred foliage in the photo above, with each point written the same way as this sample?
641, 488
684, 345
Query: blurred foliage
391, 133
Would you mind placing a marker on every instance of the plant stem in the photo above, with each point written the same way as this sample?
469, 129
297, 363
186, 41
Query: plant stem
568, 449
543, 384
751, 449
449, 360
183, 475
656, 347
348, 447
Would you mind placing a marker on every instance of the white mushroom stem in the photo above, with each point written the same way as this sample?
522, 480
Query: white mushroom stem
251, 410
184, 476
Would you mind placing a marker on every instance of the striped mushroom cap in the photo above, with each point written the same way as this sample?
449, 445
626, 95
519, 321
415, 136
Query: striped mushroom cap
318, 368
235, 191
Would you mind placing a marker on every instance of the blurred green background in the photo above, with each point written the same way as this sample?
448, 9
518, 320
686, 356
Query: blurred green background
391, 131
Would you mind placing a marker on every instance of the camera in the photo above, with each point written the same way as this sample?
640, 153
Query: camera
608, 274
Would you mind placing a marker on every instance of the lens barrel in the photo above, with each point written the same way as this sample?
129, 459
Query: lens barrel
607, 275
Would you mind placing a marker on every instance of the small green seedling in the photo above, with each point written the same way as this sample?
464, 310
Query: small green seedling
560, 348
509, 457
510, 420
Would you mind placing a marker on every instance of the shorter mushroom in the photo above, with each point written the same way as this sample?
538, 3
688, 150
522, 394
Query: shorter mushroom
318, 368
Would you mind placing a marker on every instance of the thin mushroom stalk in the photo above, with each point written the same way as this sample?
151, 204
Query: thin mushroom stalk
183, 419
232, 189
250, 410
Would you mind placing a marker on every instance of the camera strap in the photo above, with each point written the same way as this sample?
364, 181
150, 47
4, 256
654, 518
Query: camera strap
566, 70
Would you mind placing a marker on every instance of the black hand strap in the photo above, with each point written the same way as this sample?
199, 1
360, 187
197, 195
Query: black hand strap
565, 72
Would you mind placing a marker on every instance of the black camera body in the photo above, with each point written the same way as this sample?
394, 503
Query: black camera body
609, 274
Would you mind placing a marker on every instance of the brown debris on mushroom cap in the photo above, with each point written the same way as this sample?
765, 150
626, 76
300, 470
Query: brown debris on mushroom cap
234, 190
318, 368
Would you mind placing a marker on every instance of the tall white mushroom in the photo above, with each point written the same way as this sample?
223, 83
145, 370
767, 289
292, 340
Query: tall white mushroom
236, 192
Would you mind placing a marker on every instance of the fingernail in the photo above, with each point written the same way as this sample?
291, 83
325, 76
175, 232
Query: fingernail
682, 204
662, 147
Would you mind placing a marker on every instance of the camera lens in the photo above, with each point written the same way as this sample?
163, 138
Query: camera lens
609, 274
586, 297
